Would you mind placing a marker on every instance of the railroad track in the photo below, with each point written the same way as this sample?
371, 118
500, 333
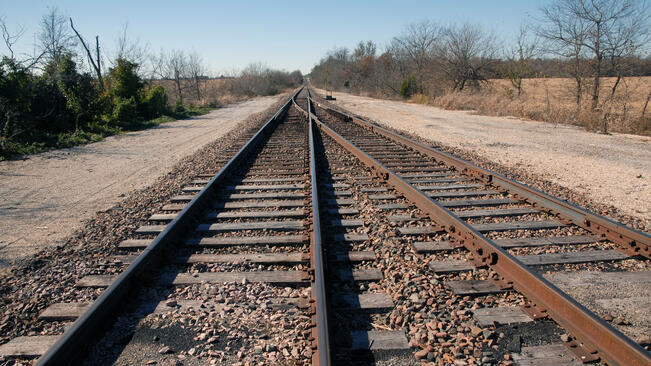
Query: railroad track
245, 232
330, 240
468, 218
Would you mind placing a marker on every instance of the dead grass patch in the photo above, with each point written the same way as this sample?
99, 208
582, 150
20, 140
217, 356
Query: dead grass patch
553, 100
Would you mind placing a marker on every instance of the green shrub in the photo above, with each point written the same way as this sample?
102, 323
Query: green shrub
179, 108
125, 82
408, 87
125, 111
155, 102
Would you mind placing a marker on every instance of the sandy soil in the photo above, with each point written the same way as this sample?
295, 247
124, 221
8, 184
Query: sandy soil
621, 295
611, 169
45, 197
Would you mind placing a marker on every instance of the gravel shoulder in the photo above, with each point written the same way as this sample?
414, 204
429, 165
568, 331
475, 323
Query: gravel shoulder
46, 197
610, 169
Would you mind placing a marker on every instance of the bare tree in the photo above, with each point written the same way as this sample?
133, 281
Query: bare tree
196, 71
131, 49
389, 73
253, 79
96, 62
55, 38
175, 67
564, 35
417, 43
334, 70
363, 66
602, 29
518, 58
10, 38
466, 51
157, 65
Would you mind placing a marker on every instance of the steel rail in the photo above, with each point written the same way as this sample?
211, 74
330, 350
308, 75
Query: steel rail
322, 356
631, 241
75, 342
318, 287
592, 333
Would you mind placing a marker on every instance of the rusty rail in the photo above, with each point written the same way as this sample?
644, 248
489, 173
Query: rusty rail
320, 332
75, 342
594, 337
318, 286
631, 241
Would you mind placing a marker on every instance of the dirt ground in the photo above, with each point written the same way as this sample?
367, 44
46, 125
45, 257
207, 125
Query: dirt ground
611, 169
45, 197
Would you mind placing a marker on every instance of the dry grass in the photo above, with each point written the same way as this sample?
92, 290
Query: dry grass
214, 92
553, 100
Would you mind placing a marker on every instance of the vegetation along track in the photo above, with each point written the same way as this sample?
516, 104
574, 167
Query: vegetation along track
329, 240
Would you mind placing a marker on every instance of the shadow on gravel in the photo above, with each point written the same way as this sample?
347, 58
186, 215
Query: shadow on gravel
342, 321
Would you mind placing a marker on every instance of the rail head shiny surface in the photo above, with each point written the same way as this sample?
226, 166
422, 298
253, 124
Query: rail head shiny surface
323, 352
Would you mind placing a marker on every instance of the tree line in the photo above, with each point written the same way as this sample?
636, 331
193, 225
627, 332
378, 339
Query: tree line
585, 40
73, 91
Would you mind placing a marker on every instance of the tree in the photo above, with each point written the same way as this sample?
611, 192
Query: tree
9, 38
466, 52
15, 100
126, 90
130, 49
176, 68
518, 57
196, 72
364, 65
388, 72
55, 38
77, 94
598, 30
125, 82
417, 44
96, 62
564, 35
172, 66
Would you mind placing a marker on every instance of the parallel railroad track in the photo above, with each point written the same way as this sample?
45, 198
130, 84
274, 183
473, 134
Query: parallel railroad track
474, 218
330, 240
251, 222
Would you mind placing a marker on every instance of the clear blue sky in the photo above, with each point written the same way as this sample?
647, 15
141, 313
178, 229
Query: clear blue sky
286, 35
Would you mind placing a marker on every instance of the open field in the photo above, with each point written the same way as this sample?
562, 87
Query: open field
554, 100
561, 91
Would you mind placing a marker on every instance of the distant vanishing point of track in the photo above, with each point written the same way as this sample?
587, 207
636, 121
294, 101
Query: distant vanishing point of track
326, 239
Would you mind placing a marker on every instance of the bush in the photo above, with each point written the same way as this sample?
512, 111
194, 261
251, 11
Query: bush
178, 108
408, 87
125, 111
155, 102
125, 82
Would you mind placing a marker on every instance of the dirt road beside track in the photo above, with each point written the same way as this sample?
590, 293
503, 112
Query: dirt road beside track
45, 197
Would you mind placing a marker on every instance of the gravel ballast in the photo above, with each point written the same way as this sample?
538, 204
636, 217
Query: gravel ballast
49, 276
45, 197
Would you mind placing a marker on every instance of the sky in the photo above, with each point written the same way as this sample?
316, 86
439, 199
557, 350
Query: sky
286, 35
